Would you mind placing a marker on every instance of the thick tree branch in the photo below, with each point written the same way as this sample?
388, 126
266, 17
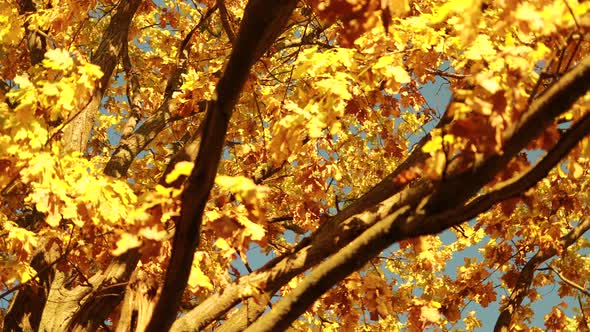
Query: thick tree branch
307, 253
519, 184
109, 286
459, 187
76, 134
273, 276
528, 272
323, 243
431, 216
63, 305
263, 20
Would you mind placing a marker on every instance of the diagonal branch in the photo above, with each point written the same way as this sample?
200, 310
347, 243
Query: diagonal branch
569, 282
519, 184
113, 280
322, 243
429, 210
309, 252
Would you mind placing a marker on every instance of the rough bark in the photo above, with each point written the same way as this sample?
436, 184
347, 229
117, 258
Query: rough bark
387, 213
139, 302
306, 254
394, 227
75, 308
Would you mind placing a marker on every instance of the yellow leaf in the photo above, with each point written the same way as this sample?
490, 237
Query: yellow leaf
244, 188
433, 145
58, 59
397, 7
429, 314
212, 215
452, 7
11, 27
488, 81
234, 183
127, 241
435, 304
481, 48
197, 278
89, 73
153, 233
385, 65
27, 273
25, 94
66, 97
316, 126
399, 74
180, 169
50, 89
578, 171
254, 231
294, 282
383, 62
335, 86
222, 244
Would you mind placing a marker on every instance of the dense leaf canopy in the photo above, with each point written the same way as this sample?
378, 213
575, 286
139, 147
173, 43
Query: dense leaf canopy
394, 165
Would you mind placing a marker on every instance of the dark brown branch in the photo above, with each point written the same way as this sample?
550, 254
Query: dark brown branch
263, 20
225, 21
311, 250
53, 280
519, 184
284, 271
446, 74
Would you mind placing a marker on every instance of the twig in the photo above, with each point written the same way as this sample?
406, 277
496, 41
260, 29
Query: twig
569, 282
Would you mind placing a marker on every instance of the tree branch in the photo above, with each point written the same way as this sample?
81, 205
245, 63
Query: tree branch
76, 134
263, 20
133, 91
133, 144
570, 282
225, 21
430, 208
